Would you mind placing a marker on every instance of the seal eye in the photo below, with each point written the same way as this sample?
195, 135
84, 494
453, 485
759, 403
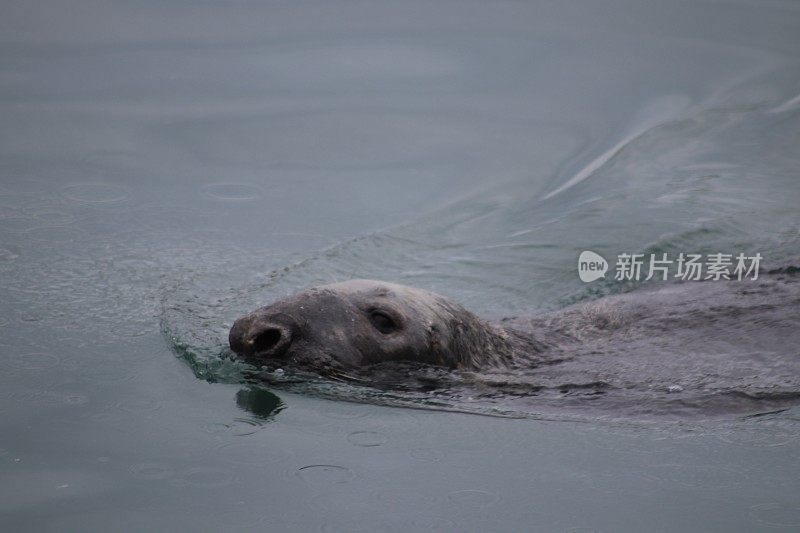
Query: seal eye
382, 322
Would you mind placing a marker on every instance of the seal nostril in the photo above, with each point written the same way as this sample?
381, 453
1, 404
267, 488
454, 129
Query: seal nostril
266, 340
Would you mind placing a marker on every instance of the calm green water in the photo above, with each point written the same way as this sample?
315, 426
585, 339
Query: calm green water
165, 165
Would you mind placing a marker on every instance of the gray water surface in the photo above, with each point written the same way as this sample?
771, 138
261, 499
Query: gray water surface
159, 158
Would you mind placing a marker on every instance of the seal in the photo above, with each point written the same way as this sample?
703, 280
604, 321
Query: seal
684, 346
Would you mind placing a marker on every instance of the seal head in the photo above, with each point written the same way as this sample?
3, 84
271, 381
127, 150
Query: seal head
359, 323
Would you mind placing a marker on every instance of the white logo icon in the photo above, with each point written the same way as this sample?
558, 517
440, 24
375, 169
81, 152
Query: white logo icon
591, 266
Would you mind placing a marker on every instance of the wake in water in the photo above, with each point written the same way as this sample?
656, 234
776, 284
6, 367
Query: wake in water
677, 351
701, 184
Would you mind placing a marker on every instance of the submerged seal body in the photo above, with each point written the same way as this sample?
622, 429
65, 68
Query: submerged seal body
731, 344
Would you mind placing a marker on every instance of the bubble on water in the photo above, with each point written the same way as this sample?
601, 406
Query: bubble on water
151, 471
95, 193
366, 438
231, 191
325, 474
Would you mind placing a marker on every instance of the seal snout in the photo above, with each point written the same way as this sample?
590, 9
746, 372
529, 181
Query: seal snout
256, 336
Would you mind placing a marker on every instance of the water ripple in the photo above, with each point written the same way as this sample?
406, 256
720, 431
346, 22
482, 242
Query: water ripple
473, 498
232, 191
776, 514
325, 474
95, 193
